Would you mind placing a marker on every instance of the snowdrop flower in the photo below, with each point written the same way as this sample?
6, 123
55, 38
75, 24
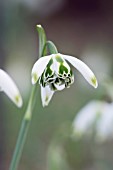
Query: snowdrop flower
8, 86
54, 74
96, 114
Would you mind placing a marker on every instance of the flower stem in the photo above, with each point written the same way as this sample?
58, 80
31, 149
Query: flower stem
23, 132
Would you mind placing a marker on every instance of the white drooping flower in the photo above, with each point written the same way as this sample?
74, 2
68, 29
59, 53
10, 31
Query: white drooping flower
96, 115
8, 86
54, 73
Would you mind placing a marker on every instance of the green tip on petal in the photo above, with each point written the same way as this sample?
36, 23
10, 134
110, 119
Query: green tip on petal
46, 99
18, 100
34, 78
59, 59
94, 81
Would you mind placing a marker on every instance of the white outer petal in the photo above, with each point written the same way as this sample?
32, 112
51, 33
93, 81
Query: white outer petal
83, 69
46, 95
8, 86
39, 67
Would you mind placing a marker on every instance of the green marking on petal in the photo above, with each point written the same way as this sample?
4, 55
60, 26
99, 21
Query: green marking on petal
59, 59
48, 71
71, 72
35, 77
50, 63
62, 69
17, 98
53, 87
94, 81
46, 99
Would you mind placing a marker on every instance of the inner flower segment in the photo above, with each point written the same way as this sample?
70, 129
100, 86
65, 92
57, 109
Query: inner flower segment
57, 75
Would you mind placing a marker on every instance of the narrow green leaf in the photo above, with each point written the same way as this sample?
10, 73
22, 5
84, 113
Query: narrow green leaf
42, 41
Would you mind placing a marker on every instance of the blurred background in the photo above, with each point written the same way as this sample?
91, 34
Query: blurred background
81, 28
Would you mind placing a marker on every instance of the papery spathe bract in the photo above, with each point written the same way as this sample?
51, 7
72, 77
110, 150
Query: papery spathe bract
54, 72
8, 86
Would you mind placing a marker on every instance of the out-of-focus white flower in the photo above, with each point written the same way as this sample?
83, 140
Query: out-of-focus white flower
96, 115
8, 86
54, 74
